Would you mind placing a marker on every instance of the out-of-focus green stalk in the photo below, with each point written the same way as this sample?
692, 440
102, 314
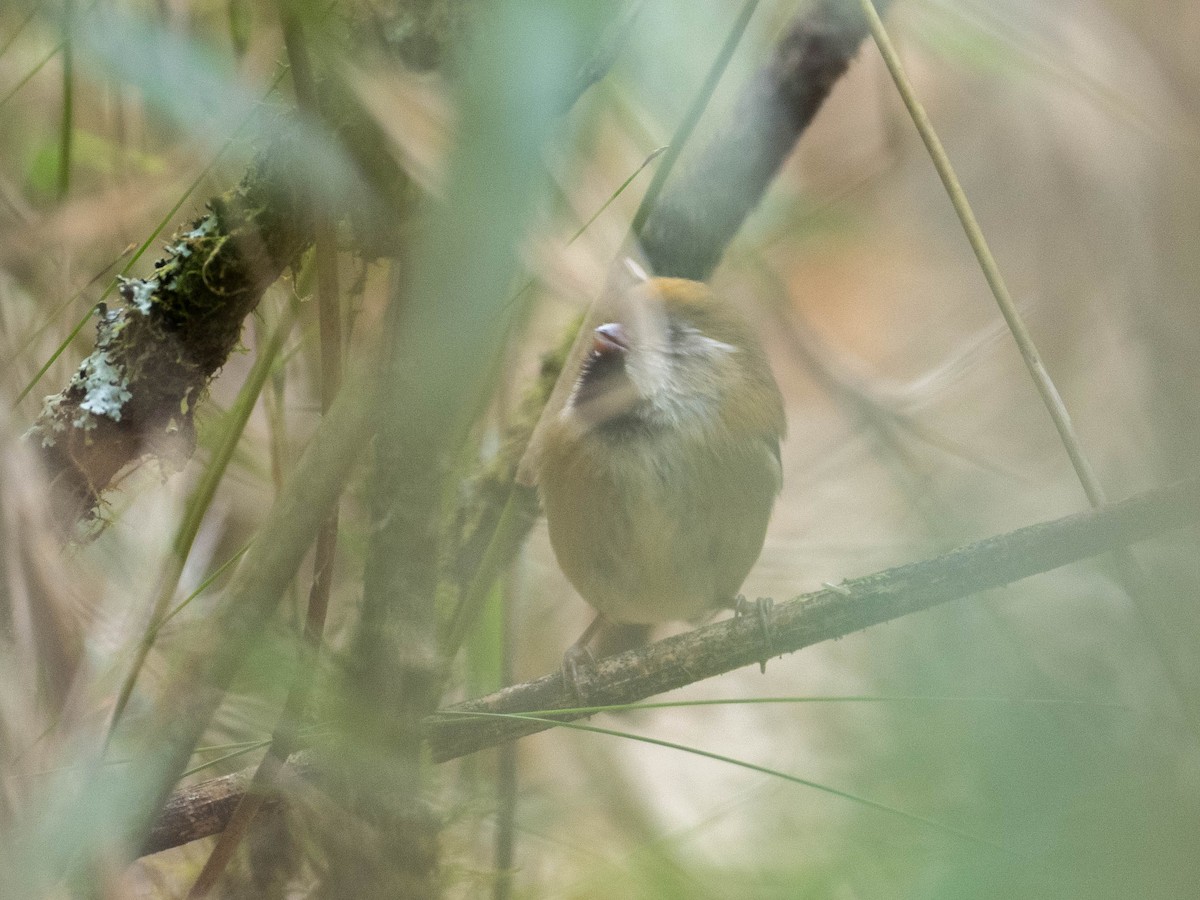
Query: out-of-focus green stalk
67, 123
283, 741
692, 117
17, 31
28, 76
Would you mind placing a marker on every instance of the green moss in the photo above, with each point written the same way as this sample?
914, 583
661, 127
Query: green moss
156, 353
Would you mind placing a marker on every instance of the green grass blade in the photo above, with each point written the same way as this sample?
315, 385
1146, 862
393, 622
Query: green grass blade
692, 117
912, 818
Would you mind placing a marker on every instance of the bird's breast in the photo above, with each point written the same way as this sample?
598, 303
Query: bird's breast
657, 528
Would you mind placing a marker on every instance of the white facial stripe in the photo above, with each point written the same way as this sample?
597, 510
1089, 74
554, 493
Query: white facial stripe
718, 345
636, 270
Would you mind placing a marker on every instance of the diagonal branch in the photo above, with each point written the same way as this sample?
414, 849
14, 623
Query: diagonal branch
135, 395
201, 810
705, 206
824, 615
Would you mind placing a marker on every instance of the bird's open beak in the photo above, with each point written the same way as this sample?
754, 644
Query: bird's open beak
610, 337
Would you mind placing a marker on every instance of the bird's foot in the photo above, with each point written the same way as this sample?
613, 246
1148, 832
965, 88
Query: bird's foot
761, 608
578, 657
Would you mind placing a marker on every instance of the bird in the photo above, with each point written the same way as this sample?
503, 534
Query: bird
659, 474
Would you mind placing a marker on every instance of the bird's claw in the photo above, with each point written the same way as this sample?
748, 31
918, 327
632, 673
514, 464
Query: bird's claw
576, 657
761, 608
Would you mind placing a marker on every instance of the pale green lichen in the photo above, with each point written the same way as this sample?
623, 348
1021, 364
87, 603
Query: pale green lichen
182, 249
139, 292
106, 389
207, 226
50, 415
102, 381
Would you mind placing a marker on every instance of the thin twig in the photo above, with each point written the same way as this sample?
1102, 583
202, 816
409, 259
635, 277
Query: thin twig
987, 263
1129, 573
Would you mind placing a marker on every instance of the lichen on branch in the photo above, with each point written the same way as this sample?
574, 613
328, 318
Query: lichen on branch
135, 395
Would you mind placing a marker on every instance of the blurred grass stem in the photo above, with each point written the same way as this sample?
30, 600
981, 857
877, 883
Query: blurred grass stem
284, 740
1129, 573
67, 123
949, 830
991, 271
691, 118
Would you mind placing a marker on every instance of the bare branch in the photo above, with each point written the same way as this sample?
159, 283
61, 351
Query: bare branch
206, 808
825, 615
724, 646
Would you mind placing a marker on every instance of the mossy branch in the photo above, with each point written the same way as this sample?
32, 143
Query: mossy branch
135, 395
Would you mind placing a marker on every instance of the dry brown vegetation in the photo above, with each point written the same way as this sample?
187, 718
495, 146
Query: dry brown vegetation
370, 214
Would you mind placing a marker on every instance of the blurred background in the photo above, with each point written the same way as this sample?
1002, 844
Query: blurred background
1043, 722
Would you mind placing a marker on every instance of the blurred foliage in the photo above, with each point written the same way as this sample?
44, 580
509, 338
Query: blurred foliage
1039, 718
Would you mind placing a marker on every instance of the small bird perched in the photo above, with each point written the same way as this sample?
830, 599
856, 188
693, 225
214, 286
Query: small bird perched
659, 474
